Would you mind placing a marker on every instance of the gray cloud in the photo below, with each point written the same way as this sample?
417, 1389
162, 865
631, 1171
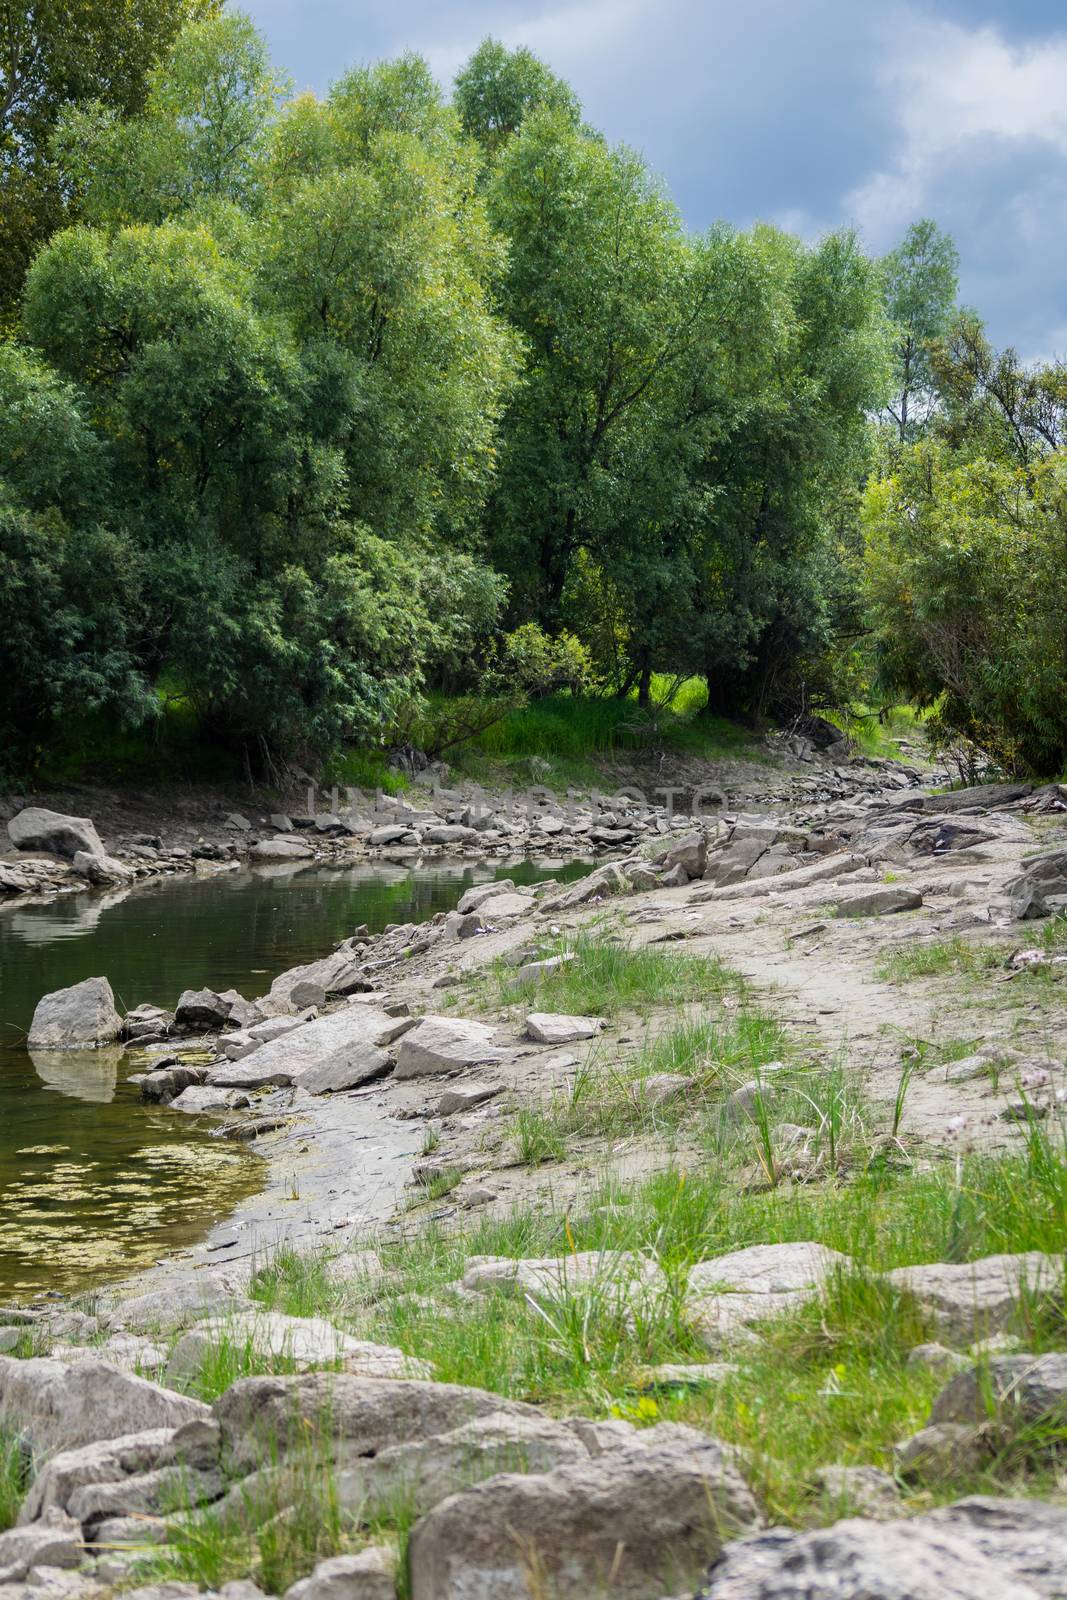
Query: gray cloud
813, 115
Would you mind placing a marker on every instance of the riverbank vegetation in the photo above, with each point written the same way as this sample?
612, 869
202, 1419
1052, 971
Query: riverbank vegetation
365, 421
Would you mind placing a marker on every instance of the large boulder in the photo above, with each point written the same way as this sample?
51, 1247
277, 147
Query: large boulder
444, 1044
422, 1473
971, 1299
281, 850
58, 1407
39, 829
184, 1300
359, 1415
107, 1461
336, 974
77, 1018
637, 1524
201, 1011
977, 1549
690, 852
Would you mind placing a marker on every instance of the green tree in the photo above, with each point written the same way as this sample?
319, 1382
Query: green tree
55, 54
498, 88
921, 282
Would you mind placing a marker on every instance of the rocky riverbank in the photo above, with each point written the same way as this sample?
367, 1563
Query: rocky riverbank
772, 1100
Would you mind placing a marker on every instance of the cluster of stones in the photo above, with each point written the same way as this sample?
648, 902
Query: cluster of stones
56, 852
499, 1490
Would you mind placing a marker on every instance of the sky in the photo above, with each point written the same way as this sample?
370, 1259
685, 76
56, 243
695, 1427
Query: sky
808, 113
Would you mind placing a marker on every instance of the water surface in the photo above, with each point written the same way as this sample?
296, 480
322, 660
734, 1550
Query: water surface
93, 1184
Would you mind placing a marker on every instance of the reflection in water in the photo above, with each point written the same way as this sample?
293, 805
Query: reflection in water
94, 1184
86, 1074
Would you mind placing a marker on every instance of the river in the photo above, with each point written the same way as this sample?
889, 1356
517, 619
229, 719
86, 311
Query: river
93, 1184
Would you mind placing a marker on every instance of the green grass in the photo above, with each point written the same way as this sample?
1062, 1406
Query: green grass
873, 737
607, 1097
606, 976
828, 1383
363, 769
14, 1479
557, 740
959, 957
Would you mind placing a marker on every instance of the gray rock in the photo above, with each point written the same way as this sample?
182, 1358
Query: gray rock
767, 1269
184, 1301
599, 885
549, 1027
55, 1541
621, 1276
861, 1491
498, 907
420, 1475
76, 1018
1011, 1390
976, 1549
336, 974
304, 1341
444, 1044
633, 1525
465, 1097
940, 1453
135, 1531
346, 1069
937, 1358
58, 1407
287, 1059
145, 1494
36, 828
280, 822
199, 1099
281, 850
1040, 889
390, 833
690, 852
360, 1416
366, 1576
661, 1087
971, 1299
879, 902
449, 833
101, 869
201, 1011
463, 925
472, 898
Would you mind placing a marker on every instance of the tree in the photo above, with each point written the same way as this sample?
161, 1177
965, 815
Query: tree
966, 580
994, 404
54, 54
921, 282
498, 88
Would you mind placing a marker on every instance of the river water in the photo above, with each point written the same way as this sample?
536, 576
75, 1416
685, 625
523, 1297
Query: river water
93, 1184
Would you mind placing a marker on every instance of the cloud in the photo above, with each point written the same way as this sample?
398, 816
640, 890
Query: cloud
812, 115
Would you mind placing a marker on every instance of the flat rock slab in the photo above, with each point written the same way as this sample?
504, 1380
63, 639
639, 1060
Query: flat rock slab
767, 1269
969, 1300
59, 1407
616, 1276
360, 1416
445, 1044
879, 903
548, 1027
281, 850
304, 1341
286, 1060
977, 1549
77, 1018
186, 1300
